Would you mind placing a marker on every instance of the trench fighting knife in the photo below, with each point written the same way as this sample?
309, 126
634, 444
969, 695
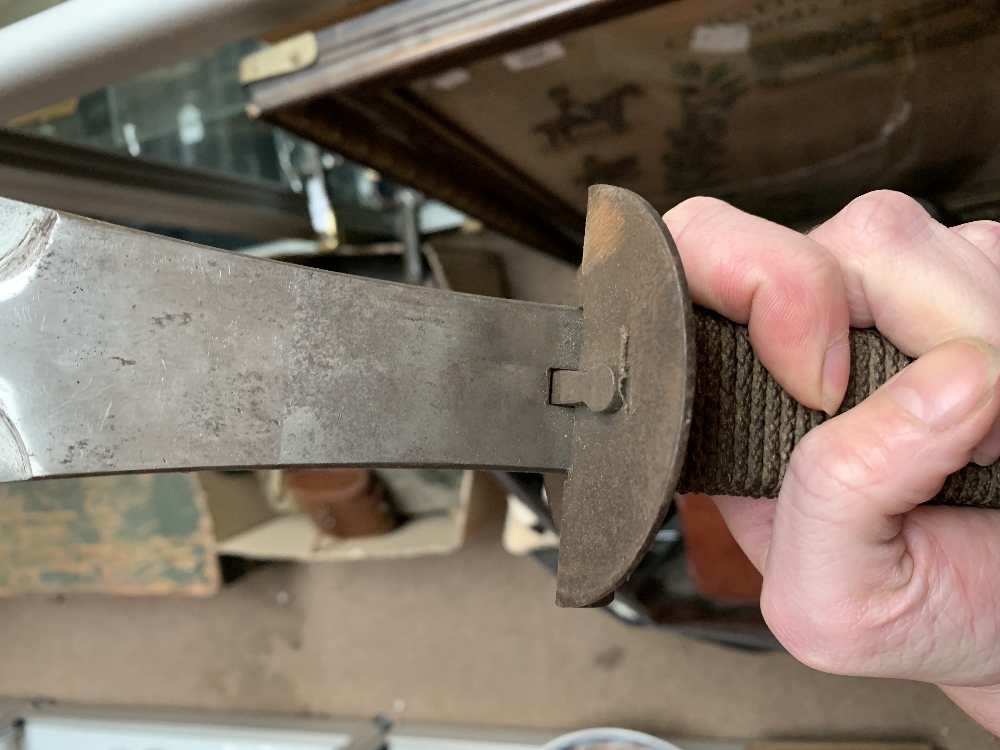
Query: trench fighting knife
124, 352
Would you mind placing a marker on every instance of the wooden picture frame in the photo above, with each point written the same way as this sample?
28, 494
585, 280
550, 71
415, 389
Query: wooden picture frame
867, 94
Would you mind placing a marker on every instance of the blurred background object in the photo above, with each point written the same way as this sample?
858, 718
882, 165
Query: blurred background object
345, 503
43, 725
54, 51
787, 108
172, 151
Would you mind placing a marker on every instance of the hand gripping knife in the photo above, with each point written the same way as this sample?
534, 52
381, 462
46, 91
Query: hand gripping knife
127, 352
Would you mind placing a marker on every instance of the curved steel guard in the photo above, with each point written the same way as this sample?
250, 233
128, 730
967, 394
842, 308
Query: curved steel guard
637, 318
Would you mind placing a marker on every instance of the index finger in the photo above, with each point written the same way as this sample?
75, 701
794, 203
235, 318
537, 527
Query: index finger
787, 287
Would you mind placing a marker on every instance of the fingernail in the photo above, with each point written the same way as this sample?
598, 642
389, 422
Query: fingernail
948, 384
988, 450
836, 369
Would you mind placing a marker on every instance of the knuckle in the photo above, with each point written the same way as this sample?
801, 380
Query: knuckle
801, 293
984, 234
690, 214
700, 204
822, 271
884, 218
825, 465
985, 224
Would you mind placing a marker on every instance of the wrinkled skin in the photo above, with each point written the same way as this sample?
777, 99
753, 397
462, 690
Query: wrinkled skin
860, 577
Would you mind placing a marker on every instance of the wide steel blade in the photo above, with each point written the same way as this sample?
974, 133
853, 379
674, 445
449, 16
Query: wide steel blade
123, 352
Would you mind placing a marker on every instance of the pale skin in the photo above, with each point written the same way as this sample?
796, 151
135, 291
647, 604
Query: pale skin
860, 577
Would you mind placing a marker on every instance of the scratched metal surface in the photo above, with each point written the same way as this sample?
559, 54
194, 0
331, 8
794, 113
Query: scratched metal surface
124, 352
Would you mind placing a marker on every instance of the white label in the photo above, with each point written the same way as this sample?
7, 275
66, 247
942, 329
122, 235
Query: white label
131, 139
451, 79
535, 56
320, 211
721, 37
190, 126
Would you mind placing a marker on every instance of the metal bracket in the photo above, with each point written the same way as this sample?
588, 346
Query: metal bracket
598, 388
279, 59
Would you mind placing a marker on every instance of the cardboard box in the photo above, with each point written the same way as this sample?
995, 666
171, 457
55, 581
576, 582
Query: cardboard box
248, 526
141, 534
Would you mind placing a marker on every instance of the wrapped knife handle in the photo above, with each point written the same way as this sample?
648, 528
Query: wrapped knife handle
745, 425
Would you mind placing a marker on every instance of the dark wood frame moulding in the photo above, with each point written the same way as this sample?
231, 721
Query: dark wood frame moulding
354, 100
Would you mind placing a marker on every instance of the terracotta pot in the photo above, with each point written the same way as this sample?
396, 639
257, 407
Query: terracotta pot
720, 569
345, 503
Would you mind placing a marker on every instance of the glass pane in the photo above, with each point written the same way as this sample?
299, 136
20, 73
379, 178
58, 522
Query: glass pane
190, 113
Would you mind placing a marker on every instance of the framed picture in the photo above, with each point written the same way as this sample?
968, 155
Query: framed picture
509, 109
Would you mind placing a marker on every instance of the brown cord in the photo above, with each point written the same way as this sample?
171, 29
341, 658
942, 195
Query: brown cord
745, 425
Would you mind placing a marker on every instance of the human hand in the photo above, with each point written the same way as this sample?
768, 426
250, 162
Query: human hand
860, 578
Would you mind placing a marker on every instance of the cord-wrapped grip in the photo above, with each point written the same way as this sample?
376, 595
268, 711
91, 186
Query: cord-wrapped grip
745, 425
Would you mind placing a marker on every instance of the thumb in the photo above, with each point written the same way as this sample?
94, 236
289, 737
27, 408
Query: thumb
840, 569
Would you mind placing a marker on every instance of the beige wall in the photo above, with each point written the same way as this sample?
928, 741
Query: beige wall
15, 10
